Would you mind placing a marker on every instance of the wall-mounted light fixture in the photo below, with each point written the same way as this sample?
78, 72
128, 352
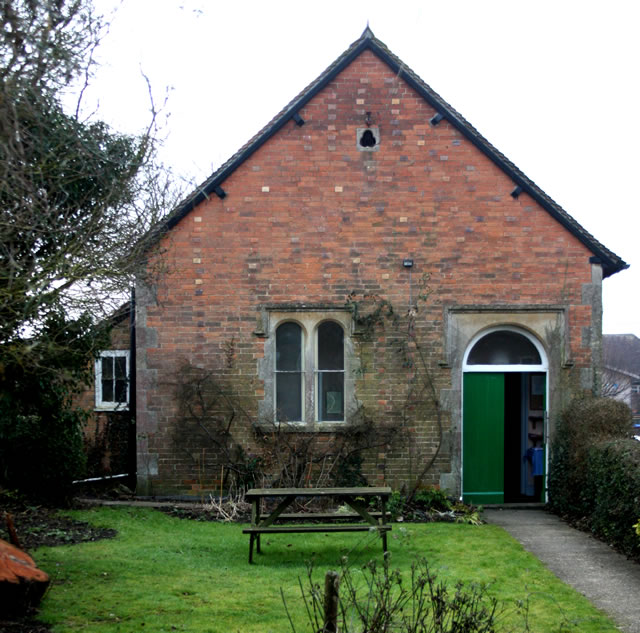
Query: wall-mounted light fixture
408, 264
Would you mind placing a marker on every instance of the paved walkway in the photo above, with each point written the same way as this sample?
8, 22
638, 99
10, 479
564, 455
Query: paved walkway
606, 578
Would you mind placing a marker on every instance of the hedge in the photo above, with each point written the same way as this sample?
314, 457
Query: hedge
594, 479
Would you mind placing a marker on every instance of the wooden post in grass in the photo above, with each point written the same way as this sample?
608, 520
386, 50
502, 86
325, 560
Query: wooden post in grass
331, 586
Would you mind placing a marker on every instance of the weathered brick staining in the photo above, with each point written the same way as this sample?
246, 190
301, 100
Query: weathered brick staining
310, 218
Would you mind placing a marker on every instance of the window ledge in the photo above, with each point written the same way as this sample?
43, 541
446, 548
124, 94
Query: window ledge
301, 427
114, 408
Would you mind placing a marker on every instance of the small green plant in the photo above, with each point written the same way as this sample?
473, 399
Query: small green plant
636, 527
432, 499
468, 514
395, 505
432, 504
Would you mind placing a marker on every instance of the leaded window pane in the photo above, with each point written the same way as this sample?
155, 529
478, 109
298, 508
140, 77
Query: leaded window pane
289, 397
504, 348
330, 375
289, 347
331, 395
289, 378
330, 346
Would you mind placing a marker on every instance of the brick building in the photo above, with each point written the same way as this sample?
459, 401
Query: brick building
367, 261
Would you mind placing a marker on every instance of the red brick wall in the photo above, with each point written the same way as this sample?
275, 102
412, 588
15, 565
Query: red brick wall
309, 219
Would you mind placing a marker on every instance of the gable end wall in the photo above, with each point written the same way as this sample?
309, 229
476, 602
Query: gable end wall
310, 219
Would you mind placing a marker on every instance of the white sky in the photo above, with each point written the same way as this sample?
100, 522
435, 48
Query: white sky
553, 84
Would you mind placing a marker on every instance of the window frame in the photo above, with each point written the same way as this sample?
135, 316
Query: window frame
109, 405
540, 367
309, 320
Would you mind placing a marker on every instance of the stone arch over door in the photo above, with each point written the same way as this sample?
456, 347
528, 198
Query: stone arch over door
549, 325
504, 403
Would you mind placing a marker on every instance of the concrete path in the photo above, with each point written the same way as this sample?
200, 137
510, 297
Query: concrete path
606, 578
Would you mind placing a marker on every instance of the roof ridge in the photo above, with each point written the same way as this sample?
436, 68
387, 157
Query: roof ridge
367, 33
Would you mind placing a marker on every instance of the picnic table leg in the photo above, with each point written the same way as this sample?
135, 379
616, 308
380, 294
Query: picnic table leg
255, 519
383, 503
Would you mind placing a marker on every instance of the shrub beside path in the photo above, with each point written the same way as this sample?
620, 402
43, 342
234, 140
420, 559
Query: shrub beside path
608, 579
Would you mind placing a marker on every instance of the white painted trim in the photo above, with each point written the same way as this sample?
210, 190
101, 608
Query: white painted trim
111, 406
544, 367
505, 368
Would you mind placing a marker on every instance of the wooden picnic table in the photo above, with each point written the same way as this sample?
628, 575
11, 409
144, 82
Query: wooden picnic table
360, 520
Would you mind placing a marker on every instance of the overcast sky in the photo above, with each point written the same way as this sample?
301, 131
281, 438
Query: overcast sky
552, 84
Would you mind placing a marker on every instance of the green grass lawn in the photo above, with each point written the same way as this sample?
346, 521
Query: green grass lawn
165, 574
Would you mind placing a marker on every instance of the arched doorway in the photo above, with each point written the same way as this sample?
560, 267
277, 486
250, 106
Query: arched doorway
504, 405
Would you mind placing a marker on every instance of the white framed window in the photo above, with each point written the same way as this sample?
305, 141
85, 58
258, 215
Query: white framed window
504, 348
311, 362
112, 380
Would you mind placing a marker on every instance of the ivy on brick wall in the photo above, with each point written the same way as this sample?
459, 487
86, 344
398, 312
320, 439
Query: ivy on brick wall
235, 449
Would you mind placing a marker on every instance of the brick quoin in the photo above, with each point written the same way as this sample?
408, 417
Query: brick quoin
309, 219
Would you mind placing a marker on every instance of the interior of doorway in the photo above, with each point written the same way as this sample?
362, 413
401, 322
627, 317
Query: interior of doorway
524, 436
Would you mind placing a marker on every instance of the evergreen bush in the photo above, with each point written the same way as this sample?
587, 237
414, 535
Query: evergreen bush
41, 441
613, 481
594, 478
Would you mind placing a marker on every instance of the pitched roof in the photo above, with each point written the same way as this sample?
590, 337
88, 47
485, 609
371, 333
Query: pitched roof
611, 263
622, 353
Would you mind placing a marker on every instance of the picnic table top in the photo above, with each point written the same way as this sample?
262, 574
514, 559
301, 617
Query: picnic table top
364, 491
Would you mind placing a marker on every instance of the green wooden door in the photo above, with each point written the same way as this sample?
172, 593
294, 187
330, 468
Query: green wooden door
483, 438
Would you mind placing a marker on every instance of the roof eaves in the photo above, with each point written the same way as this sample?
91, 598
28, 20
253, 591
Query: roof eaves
610, 262
280, 120
619, 370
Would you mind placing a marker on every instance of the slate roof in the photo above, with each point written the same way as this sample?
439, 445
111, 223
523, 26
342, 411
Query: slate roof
622, 353
611, 263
